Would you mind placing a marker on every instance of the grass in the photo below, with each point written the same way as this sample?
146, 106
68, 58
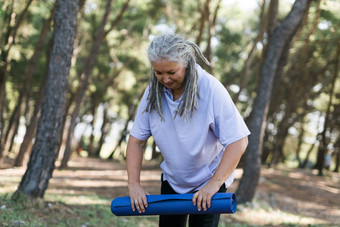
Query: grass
80, 205
57, 213
41, 213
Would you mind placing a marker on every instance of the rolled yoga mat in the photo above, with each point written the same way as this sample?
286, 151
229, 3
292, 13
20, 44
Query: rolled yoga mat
175, 204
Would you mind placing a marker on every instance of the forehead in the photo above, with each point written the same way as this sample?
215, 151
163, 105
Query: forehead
165, 65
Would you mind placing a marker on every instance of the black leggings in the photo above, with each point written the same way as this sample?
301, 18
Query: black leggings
199, 220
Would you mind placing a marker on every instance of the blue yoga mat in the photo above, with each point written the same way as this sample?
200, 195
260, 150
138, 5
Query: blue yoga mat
175, 204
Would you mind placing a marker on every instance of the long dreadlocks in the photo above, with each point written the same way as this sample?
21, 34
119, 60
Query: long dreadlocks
174, 48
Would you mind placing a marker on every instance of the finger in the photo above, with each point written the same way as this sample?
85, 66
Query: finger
194, 198
145, 202
141, 206
132, 205
199, 201
209, 202
136, 203
138, 206
204, 204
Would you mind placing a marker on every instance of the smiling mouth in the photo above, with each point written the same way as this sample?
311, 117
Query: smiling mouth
168, 84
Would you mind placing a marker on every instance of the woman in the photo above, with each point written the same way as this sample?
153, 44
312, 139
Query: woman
196, 126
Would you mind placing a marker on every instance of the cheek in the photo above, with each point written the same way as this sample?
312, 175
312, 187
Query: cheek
181, 76
159, 78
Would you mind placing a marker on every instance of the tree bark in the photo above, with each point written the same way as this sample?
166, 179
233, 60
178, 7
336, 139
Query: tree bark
282, 35
272, 17
41, 165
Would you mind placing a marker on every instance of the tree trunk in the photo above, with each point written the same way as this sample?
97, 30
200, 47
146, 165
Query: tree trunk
26, 144
282, 35
104, 130
10, 132
277, 151
10, 141
337, 155
272, 17
211, 34
33, 62
245, 70
204, 18
300, 140
84, 82
124, 132
10, 36
324, 140
122, 138
86, 75
41, 164
95, 104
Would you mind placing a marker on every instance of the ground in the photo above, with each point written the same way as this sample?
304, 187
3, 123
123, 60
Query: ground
284, 196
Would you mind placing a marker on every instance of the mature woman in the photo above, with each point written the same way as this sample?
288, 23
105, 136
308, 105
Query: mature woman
196, 126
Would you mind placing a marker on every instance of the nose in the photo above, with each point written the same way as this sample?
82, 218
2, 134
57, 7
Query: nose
166, 79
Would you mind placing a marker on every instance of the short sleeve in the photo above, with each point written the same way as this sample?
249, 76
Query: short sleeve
228, 125
141, 125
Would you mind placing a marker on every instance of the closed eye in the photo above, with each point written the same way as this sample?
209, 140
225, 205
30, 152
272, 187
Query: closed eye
160, 73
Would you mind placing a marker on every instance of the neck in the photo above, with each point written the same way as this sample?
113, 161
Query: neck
177, 94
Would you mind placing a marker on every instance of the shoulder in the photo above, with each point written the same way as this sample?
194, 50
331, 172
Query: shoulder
146, 93
208, 85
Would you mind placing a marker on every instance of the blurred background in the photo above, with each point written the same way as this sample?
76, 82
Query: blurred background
299, 127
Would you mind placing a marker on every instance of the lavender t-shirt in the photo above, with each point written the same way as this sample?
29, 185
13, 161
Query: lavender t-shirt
192, 150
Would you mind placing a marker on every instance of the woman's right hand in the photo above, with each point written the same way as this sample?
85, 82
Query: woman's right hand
138, 197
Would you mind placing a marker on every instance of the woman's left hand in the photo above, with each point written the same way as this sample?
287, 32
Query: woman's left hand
202, 198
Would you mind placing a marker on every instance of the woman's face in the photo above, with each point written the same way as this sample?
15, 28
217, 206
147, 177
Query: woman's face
170, 74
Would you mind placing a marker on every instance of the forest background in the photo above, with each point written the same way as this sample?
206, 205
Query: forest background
279, 61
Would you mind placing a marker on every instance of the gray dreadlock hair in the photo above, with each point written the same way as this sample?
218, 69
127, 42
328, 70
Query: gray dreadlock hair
176, 49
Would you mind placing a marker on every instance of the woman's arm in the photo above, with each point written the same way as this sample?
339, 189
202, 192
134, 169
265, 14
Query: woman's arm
134, 158
228, 164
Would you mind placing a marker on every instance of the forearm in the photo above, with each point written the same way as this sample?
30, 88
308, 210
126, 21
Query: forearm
134, 158
230, 160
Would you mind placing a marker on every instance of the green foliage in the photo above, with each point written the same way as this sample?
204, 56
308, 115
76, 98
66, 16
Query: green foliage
329, 16
228, 51
121, 72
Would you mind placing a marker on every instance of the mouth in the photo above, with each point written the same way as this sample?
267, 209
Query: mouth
168, 84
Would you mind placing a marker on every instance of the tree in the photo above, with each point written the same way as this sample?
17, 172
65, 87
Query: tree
281, 38
262, 24
324, 141
31, 68
6, 44
41, 164
91, 61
